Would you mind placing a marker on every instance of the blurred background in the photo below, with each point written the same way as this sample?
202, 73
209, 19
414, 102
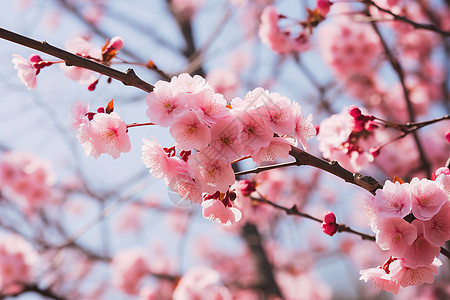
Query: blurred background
102, 218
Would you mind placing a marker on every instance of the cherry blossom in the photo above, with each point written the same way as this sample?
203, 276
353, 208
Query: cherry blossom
214, 209
189, 133
129, 266
27, 178
17, 262
437, 229
393, 200
427, 198
25, 70
164, 104
106, 134
79, 112
279, 40
278, 148
421, 252
304, 128
211, 173
395, 234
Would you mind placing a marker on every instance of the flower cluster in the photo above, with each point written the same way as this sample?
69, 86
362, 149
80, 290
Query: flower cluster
26, 178
17, 260
263, 125
277, 39
411, 221
100, 132
346, 137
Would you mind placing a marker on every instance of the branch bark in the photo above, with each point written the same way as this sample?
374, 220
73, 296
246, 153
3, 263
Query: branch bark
128, 78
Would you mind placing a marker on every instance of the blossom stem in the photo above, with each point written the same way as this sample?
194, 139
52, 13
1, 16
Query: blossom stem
138, 124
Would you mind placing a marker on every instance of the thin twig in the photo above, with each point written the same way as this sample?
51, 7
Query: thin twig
129, 78
295, 212
430, 27
399, 70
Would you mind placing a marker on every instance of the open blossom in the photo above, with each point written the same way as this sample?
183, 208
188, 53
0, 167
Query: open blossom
395, 234
225, 139
164, 104
214, 209
421, 252
25, 70
304, 128
395, 274
106, 134
160, 164
17, 260
427, 198
211, 173
278, 148
277, 112
393, 200
437, 229
189, 133
129, 266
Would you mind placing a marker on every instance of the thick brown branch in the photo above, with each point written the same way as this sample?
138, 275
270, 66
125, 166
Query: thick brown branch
129, 78
34, 288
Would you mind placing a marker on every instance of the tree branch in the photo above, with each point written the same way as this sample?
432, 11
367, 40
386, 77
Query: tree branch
396, 17
129, 78
399, 70
303, 158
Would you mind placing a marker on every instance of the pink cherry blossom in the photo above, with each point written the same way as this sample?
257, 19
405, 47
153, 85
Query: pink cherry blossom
224, 81
83, 48
129, 266
17, 261
279, 40
421, 252
407, 276
27, 179
210, 104
304, 128
201, 283
160, 165
79, 111
395, 234
255, 133
348, 47
186, 187
334, 131
443, 180
164, 104
214, 209
189, 85
189, 133
427, 198
394, 200
25, 70
277, 112
116, 43
278, 148
437, 229
225, 139
211, 173
253, 99
106, 134
380, 279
